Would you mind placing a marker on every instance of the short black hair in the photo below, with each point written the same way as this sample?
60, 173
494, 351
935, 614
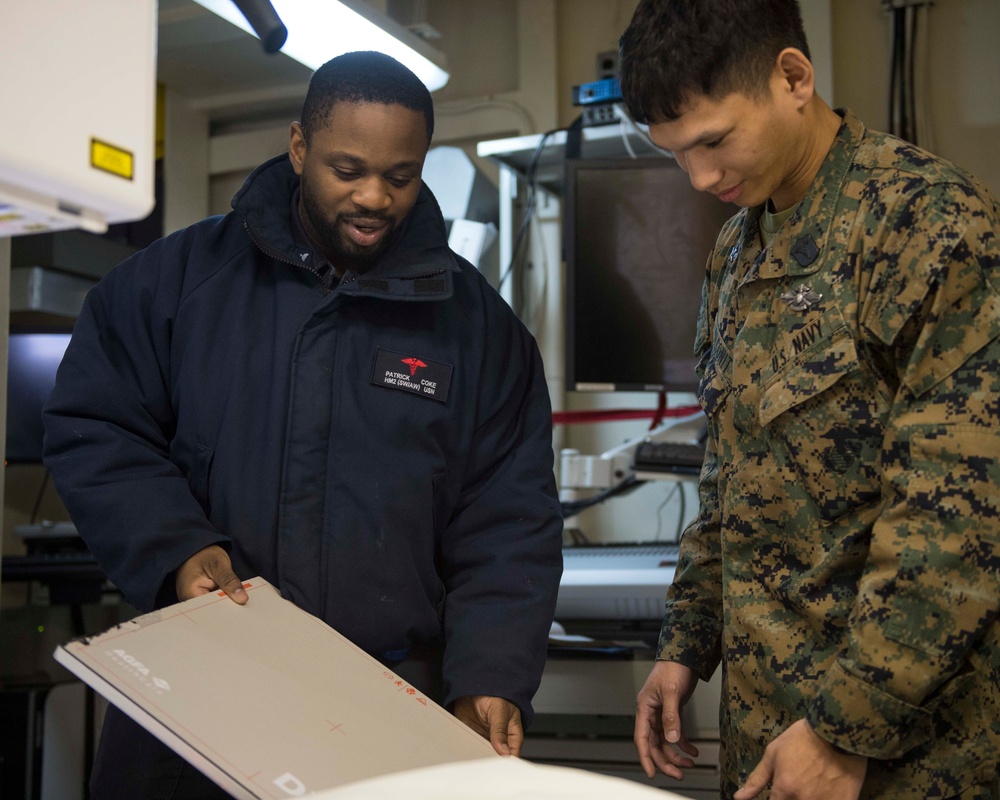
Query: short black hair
676, 50
363, 76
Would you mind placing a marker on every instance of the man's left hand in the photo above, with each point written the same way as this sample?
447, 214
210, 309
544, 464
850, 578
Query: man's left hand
800, 765
495, 719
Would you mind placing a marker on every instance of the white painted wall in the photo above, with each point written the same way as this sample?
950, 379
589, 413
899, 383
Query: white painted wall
185, 145
959, 76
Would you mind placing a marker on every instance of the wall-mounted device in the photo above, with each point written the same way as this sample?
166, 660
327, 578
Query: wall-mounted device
598, 99
77, 132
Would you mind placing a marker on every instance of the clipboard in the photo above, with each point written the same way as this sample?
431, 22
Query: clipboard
265, 699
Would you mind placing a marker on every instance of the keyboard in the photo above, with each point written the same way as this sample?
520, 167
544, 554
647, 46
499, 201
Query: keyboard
669, 457
51, 566
632, 555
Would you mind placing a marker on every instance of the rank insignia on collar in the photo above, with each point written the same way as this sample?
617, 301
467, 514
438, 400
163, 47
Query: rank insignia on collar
801, 299
805, 251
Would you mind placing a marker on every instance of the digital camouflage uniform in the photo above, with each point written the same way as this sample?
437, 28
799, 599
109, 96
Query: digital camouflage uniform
845, 564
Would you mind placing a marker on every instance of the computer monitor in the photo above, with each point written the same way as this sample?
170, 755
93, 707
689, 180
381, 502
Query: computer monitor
32, 359
637, 237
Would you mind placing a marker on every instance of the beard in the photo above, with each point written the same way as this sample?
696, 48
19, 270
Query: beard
338, 248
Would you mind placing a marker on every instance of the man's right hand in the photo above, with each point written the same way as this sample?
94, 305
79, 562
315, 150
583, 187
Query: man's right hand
658, 734
207, 571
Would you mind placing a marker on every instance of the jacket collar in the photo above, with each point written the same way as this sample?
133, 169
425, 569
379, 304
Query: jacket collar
418, 266
796, 248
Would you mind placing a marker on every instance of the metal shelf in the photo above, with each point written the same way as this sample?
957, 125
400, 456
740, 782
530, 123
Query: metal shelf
603, 141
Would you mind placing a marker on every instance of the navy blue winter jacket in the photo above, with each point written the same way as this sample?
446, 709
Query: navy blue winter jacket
215, 393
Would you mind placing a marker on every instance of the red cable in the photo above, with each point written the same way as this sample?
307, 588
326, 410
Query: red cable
661, 408
615, 414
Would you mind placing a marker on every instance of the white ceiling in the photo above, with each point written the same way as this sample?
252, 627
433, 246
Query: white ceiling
223, 70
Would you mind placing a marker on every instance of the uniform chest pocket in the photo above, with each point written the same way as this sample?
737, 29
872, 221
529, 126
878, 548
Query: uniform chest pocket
819, 412
805, 369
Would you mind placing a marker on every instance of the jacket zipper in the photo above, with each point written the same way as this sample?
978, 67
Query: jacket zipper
271, 253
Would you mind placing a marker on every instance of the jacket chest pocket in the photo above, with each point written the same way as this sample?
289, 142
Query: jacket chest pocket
818, 411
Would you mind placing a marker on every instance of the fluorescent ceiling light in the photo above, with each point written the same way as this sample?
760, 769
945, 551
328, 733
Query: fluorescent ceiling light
319, 30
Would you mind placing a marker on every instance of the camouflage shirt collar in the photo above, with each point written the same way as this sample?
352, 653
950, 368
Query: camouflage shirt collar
797, 247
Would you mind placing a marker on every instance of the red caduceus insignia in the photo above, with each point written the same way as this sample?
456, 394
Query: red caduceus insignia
413, 364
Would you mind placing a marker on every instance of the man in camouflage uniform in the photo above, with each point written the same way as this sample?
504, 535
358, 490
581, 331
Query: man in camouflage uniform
845, 563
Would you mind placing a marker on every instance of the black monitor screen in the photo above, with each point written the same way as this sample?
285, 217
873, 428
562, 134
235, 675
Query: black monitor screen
32, 360
637, 239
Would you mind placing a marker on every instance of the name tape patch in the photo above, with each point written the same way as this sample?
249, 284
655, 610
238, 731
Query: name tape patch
412, 374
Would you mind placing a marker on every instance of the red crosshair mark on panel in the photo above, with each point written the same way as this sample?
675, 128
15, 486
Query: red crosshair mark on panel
336, 727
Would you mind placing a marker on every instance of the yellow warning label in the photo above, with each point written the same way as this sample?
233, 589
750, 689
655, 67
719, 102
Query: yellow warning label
111, 159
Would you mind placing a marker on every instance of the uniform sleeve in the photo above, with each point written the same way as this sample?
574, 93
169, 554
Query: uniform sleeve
108, 426
502, 549
931, 589
691, 633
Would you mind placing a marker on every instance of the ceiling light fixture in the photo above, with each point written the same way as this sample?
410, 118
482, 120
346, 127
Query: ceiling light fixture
319, 30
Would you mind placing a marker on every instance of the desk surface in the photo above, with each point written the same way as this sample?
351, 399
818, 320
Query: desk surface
579, 686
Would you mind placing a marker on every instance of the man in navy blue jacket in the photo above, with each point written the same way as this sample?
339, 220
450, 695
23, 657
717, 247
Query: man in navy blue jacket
315, 389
